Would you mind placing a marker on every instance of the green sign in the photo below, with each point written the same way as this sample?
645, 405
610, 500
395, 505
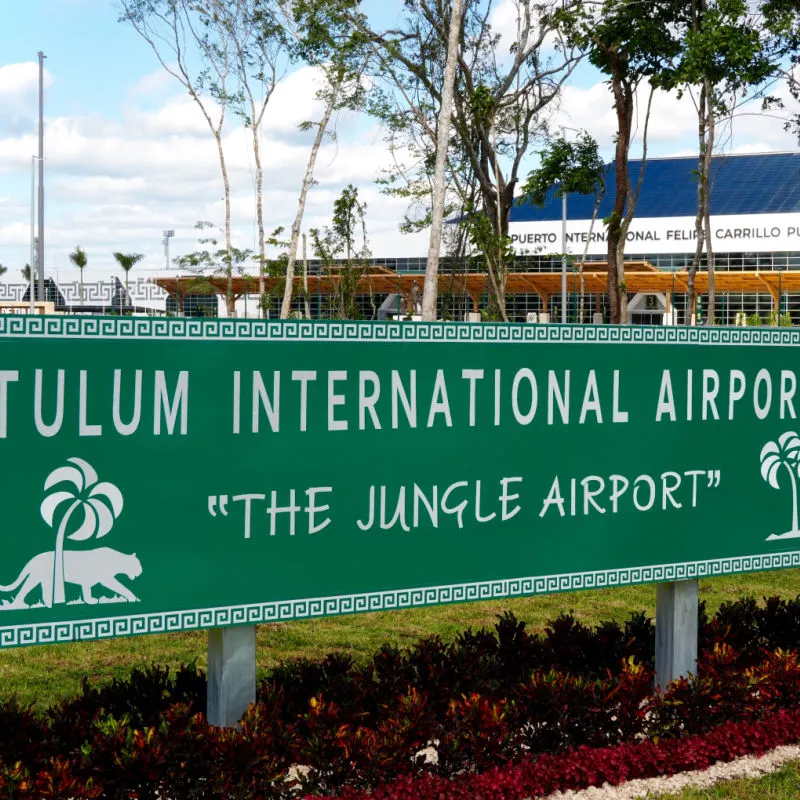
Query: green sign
163, 475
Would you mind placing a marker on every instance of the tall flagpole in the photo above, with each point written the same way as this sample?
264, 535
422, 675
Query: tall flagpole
40, 248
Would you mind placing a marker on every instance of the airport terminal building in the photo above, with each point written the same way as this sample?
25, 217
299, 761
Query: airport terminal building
755, 221
755, 207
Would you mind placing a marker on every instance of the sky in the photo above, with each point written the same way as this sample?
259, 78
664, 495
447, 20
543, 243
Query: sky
128, 154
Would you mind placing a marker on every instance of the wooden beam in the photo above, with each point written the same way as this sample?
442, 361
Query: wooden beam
680, 282
773, 290
638, 279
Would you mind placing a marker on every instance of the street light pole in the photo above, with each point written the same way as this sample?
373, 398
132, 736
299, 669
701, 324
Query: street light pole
563, 243
167, 236
32, 262
40, 247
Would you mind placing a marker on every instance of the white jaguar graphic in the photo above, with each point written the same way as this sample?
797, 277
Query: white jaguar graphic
80, 508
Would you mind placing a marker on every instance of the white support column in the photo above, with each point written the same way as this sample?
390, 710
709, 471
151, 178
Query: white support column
231, 673
676, 630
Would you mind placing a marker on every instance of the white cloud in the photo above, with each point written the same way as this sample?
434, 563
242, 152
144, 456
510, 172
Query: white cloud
504, 20
673, 122
20, 82
117, 184
156, 82
589, 108
179, 116
19, 87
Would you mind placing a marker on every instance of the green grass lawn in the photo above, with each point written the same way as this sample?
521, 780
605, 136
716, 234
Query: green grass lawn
781, 785
46, 673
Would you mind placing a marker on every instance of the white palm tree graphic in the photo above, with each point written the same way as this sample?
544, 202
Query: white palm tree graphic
783, 453
101, 504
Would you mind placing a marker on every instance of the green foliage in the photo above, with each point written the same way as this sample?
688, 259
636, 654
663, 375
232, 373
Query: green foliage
329, 35
782, 28
3, 269
754, 320
483, 235
275, 268
723, 44
781, 321
329, 31
26, 272
482, 105
212, 260
626, 39
481, 697
632, 43
78, 258
499, 105
571, 167
494, 250
348, 213
340, 240
127, 261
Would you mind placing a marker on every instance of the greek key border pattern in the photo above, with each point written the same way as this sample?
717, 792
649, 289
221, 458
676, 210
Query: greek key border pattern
98, 327
166, 622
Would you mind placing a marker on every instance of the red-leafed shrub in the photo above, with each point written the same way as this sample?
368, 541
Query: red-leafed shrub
584, 766
451, 717
55, 780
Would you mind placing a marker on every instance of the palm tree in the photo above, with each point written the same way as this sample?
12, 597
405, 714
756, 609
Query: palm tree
26, 272
101, 504
127, 261
783, 453
78, 258
3, 269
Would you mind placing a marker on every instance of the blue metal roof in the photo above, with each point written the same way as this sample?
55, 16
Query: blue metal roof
746, 184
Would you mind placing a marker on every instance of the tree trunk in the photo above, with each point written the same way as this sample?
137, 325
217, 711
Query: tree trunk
498, 285
702, 184
622, 303
710, 135
632, 200
305, 280
430, 290
286, 305
497, 202
229, 300
259, 216
623, 105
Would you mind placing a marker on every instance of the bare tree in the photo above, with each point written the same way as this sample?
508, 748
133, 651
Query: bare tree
260, 59
633, 44
726, 61
174, 29
331, 95
324, 38
430, 289
498, 109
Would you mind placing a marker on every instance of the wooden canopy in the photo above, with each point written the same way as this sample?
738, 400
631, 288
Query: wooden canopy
640, 277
